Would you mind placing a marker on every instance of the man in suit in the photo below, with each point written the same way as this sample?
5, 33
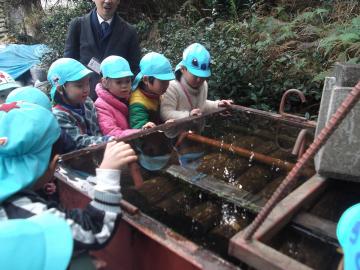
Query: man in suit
102, 33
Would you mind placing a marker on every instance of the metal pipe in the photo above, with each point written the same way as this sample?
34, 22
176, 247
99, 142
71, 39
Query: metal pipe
136, 174
319, 141
283, 101
284, 165
299, 146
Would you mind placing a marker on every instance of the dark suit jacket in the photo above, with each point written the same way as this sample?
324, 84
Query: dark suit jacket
83, 43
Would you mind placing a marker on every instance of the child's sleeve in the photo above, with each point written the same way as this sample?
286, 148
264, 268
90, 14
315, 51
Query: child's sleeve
211, 105
109, 126
169, 104
139, 115
93, 226
69, 125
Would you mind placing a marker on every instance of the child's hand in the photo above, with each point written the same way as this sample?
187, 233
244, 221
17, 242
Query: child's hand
117, 155
148, 125
170, 121
49, 188
225, 103
195, 112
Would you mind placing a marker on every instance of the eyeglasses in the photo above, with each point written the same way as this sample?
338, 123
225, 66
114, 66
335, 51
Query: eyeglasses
204, 66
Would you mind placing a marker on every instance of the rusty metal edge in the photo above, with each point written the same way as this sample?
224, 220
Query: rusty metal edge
166, 126
261, 256
191, 252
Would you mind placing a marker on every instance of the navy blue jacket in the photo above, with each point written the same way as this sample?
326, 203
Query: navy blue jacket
84, 42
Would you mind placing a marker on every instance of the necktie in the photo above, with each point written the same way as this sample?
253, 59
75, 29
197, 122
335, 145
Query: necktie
104, 28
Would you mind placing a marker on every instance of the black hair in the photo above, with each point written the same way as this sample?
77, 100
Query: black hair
178, 75
151, 81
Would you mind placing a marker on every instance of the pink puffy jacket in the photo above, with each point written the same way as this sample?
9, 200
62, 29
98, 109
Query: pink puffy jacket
112, 114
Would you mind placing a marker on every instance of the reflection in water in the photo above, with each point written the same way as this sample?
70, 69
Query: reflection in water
217, 192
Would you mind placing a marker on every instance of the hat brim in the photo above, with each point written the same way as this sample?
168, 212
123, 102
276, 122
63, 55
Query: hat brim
79, 75
58, 238
165, 77
199, 72
346, 219
118, 75
9, 85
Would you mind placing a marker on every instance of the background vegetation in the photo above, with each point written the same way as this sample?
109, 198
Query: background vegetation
259, 48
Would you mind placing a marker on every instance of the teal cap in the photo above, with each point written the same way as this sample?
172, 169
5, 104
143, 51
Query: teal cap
7, 82
155, 65
27, 133
196, 59
115, 67
40, 242
29, 94
65, 70
348, 234
153, 163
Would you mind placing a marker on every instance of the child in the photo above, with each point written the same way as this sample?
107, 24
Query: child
33, 240
28, 132
187, 95
151, 82
73, 108
347, 232
7, 84
113, 94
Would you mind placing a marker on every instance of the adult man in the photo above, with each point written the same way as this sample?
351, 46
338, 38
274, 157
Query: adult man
102, 33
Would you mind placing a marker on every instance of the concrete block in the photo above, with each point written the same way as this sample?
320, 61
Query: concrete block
340, 156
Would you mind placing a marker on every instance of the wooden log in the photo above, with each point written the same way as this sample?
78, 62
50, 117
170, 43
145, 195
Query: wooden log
256, 178
223, 166
216, 187
204, 217
151, 192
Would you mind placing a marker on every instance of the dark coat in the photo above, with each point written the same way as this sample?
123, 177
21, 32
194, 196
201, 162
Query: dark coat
84, 42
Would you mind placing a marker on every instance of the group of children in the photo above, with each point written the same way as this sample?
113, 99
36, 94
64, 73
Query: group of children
124, 107
34, 130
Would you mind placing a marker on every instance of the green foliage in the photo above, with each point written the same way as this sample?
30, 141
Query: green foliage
54, 28
256, 58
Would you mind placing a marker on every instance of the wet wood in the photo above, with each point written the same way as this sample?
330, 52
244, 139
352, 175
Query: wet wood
267, 191
216, 187
256, 178
151, 192
204, 217
223, 166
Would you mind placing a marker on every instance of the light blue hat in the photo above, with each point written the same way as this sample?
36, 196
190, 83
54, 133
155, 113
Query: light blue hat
115, 67
348, 234
155, 65
39, 242
197, 60
29, 94
7, 82
65, 70
27, 133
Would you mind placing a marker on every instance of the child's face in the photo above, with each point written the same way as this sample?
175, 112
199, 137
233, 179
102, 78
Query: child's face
158, 87
78, 91
192, 80
120, 87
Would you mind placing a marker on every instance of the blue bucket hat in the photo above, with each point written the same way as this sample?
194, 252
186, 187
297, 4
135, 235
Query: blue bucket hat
39, 242
347, 232
7, 82
155, 65
27, 133
196, 59
29, 94
65, 70
115, 67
